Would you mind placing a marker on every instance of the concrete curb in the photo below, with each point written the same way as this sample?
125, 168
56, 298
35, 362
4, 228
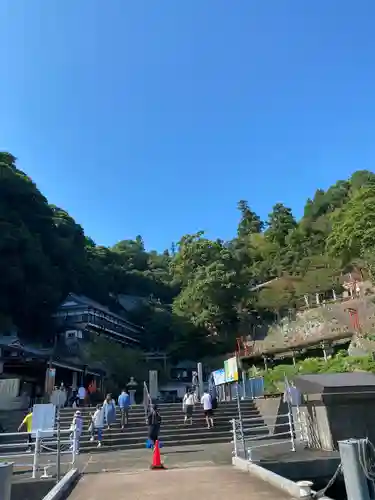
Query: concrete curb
279, 482
63, 486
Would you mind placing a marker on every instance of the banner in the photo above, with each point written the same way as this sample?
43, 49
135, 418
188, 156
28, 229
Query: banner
219, 376
231, 370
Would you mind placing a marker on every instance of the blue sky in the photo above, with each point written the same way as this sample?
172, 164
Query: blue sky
156, 117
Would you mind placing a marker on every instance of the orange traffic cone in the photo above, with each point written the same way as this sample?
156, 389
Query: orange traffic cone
156, 458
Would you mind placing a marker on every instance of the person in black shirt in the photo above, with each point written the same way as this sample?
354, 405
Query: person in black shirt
153, 421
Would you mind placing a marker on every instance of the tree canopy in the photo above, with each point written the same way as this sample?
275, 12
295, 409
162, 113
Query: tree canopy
201, 293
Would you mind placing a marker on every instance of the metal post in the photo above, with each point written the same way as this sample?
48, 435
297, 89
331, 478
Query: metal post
243, 384
6, 472
200, 379
36, 454
240, 420
58, 439
234, 437
252, 387
291, 429
74, 447
355, 480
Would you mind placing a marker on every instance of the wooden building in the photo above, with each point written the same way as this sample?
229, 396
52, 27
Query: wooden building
25, 368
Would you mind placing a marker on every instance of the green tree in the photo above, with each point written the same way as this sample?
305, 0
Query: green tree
30, 286
353, 227
280, 222
250, 222
278, 297
194, 252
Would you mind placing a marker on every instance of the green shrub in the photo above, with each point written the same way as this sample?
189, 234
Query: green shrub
340, 363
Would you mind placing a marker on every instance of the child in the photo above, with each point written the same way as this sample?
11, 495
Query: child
76, 428
97, 424
27, 422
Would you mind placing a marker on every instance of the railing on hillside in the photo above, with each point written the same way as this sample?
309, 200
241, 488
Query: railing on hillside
254, 433
253, 388
47, 445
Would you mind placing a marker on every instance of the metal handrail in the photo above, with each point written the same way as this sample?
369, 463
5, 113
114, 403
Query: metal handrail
147, 401
39, 445
264, 417
258, 427
240, 434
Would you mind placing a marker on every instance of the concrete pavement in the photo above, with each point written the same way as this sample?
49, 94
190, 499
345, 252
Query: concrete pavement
130, 460
209, 483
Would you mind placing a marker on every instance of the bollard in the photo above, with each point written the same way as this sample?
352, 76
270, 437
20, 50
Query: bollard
355, 480
6, 472
305, 489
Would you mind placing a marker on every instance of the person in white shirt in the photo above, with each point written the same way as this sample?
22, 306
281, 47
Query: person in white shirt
206, 402
188, 406
97, 424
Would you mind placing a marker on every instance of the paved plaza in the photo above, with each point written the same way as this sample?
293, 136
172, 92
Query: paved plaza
191, 471
209, 483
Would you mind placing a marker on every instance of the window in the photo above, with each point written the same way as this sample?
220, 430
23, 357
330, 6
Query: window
73, 334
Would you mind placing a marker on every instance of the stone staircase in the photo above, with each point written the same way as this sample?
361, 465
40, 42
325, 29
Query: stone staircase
173, 431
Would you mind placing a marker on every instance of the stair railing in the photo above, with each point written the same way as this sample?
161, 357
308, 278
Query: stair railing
253, 433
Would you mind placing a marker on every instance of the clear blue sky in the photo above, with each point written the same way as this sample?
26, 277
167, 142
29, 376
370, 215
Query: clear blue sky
155, 117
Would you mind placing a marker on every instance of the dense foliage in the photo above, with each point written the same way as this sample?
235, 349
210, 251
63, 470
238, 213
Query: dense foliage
341, 363
199, 295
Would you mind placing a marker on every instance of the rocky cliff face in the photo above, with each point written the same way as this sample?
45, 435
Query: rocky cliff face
331, 321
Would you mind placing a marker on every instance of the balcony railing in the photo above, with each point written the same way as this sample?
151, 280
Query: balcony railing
97, 322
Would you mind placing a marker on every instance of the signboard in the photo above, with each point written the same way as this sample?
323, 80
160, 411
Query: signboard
43, 419
219, 376
231, 370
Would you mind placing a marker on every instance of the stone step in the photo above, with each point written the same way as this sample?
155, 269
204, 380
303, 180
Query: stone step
213, 438
176, 405
166, 443
166, 409
220, 409
198, 417
164, 438
173, 430
168, 415
134, 441
172, 418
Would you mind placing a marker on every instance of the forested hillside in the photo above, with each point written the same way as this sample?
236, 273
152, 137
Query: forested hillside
200, 293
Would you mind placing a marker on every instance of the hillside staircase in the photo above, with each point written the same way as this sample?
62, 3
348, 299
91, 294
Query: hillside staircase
173, 431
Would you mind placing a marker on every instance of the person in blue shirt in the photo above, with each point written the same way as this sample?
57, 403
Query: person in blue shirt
124, 404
